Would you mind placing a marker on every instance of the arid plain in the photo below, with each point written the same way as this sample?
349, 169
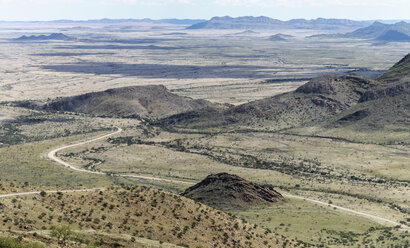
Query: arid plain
342, 188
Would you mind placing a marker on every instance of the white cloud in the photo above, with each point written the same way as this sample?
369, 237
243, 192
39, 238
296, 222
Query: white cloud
257, 3
147, 2
42, 1
300, 3
239, 2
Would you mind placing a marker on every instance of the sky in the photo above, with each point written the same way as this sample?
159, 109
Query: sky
44, 10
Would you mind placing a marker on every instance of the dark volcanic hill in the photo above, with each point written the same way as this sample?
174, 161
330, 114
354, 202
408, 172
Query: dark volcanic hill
316, 100
136, 101
54, 36
262, 22
226, 191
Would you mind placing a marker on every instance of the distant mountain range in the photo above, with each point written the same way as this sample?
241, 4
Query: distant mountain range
263, 22
247, 22
377, 31
280, 37
54, 36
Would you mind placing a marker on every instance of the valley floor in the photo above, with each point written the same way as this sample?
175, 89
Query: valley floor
174, 161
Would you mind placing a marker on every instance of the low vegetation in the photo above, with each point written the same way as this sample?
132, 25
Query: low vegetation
130, 214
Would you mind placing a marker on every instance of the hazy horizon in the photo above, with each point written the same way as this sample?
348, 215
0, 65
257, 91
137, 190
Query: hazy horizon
49, 10
175, 18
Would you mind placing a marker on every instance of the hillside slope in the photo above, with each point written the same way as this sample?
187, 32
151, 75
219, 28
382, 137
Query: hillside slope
381, 106
150, 102
125, 217
399, 72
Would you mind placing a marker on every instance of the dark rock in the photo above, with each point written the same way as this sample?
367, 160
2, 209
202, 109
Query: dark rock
227, 190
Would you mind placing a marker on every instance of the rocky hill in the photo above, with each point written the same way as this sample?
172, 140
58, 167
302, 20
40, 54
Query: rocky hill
385, 107
263, 22
381, 115
149, 102
230, 191
127, 217
399, 72
316, 100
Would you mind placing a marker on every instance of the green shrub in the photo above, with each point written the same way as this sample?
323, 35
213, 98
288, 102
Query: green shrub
15, 243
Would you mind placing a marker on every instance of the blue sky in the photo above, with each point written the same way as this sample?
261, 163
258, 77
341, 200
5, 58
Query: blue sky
21, 10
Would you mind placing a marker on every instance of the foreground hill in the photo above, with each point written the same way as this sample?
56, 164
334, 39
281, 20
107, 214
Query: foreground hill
130, 217
150, 102
225, 190
316, 100
263, 22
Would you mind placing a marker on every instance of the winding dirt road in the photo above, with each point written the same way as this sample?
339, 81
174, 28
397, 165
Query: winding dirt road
351, 211
52, 156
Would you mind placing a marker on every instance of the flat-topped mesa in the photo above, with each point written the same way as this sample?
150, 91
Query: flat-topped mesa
227, 190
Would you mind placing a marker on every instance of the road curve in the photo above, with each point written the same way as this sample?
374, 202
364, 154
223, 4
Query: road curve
52, 156
157, 179
368, 216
